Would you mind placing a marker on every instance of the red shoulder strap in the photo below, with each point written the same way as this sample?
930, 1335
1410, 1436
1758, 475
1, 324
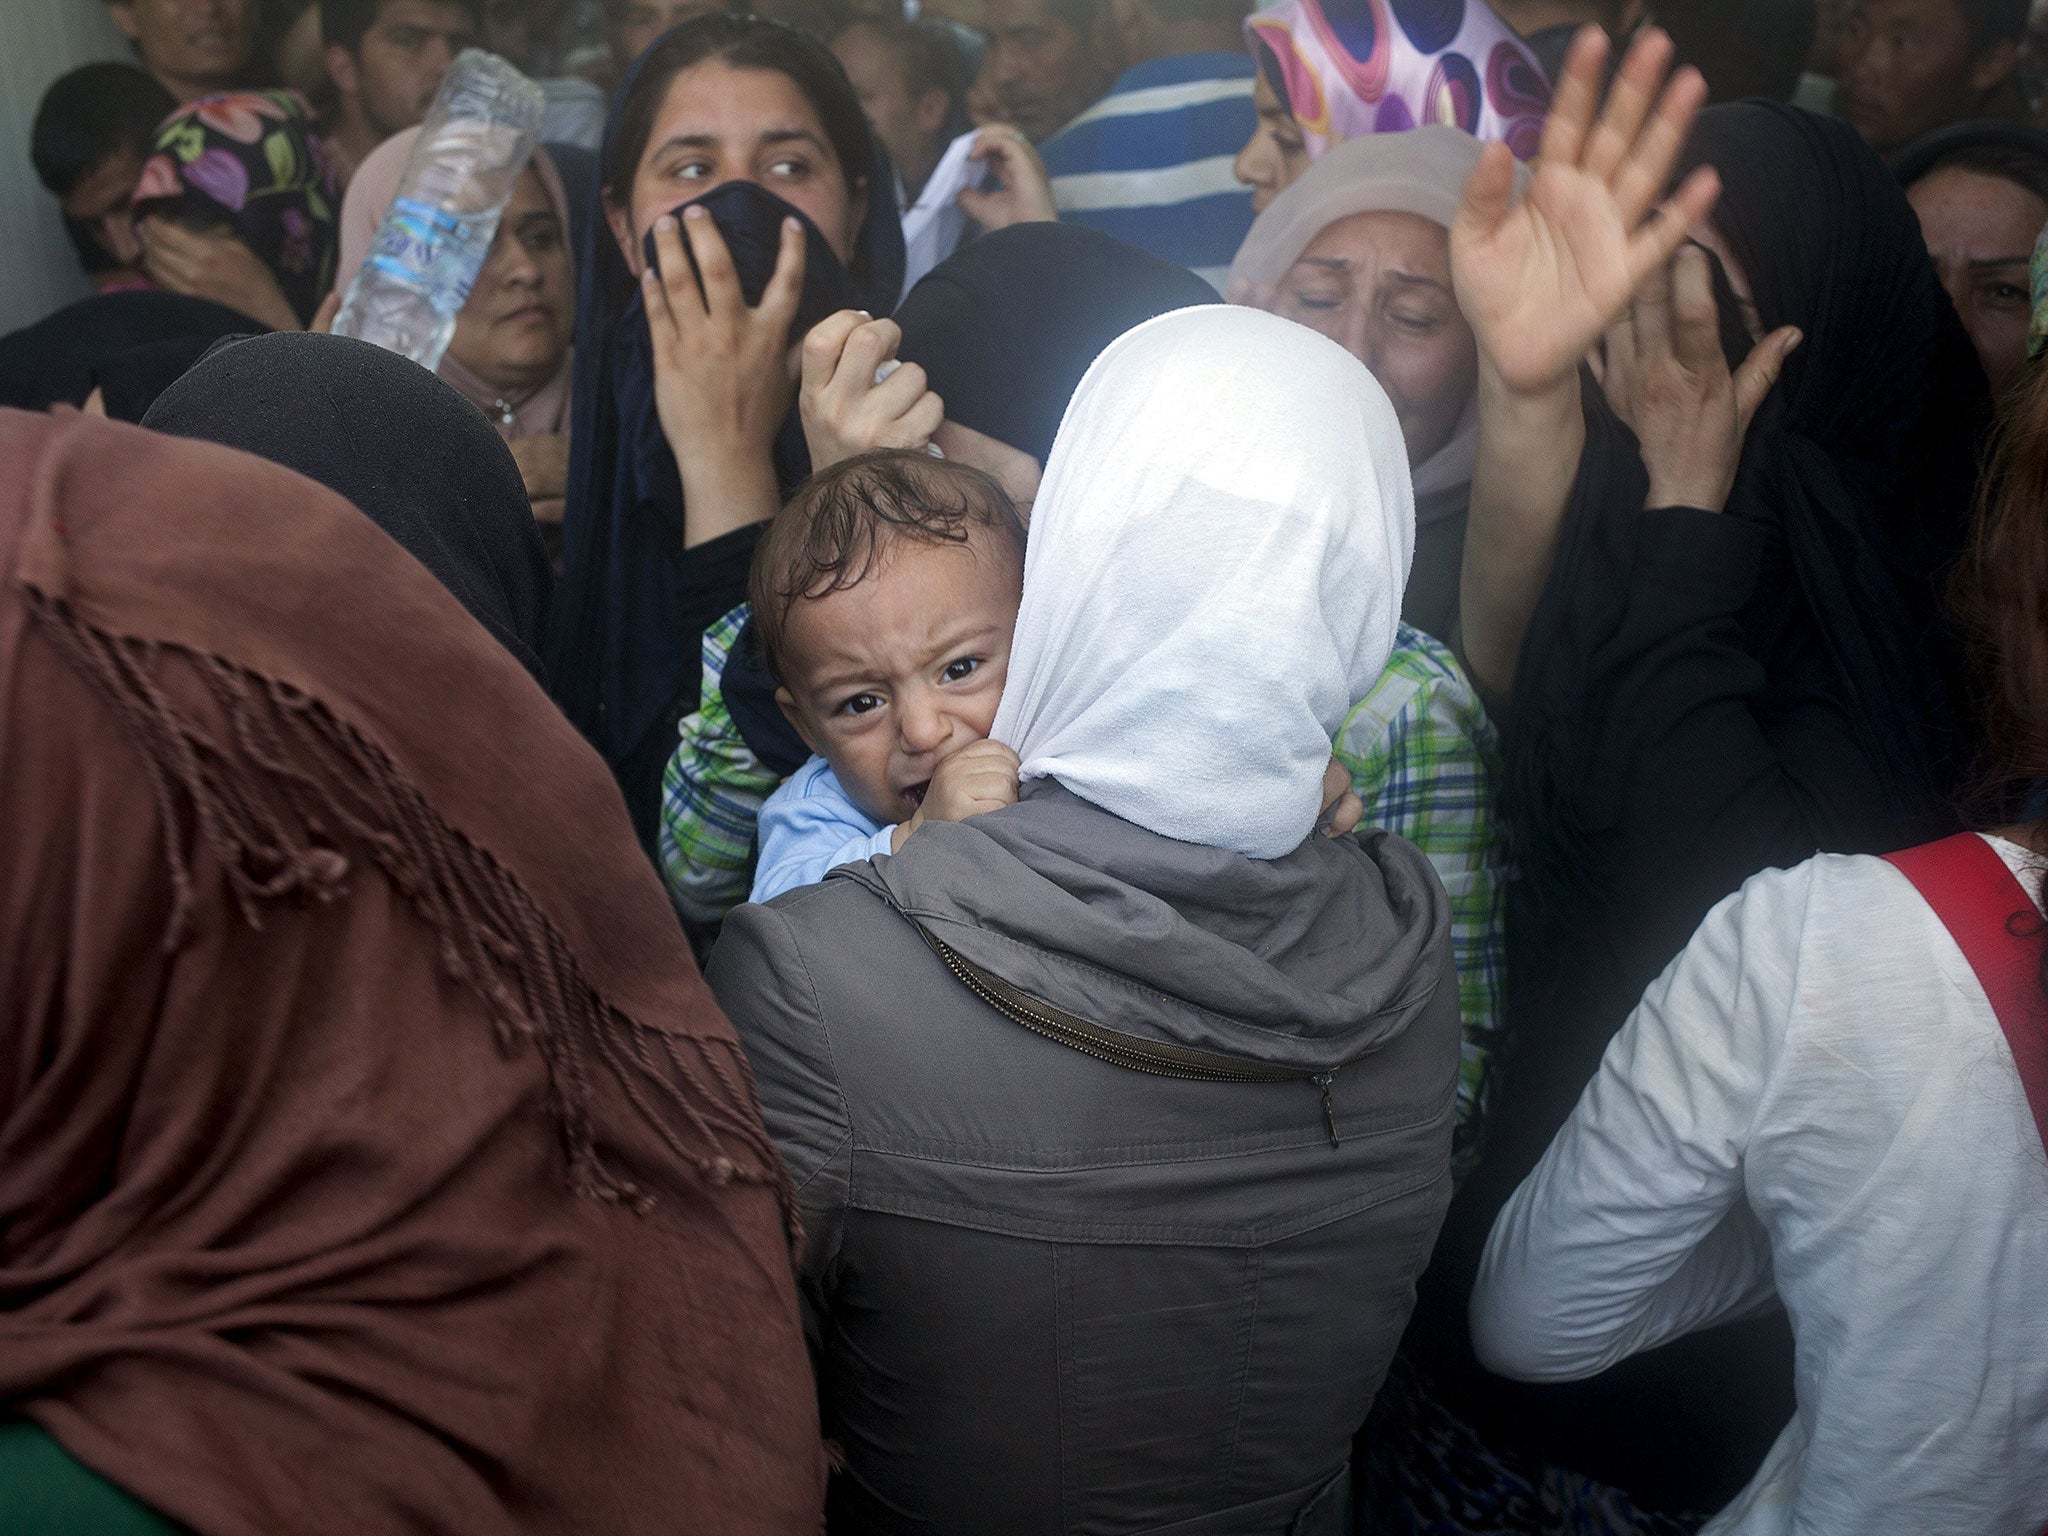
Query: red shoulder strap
1973, 892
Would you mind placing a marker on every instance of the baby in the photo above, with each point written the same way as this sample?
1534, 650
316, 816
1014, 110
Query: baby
885, 595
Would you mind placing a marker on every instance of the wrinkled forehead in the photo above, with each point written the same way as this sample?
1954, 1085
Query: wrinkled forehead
1381, 237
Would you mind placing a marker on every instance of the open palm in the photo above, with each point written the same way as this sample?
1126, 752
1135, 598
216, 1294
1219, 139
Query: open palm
1541, 280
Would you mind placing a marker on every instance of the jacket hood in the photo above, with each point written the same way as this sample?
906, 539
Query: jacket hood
1304, 962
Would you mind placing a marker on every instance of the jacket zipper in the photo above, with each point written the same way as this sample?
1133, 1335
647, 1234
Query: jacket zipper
1117, 1048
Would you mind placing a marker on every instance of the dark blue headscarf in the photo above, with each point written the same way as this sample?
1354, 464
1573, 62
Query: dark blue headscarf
622, 655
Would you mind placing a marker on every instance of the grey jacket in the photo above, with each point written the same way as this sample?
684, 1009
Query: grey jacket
1055, 1294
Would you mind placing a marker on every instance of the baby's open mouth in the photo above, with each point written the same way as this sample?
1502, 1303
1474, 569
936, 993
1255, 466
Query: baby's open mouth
914, 796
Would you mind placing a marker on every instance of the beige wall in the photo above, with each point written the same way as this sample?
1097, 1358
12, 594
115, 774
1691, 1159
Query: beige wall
39, 40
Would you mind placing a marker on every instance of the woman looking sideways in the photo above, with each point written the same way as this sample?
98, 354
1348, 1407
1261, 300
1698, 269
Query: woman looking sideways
744, 199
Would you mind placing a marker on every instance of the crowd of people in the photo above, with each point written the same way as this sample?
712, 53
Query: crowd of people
1119, 766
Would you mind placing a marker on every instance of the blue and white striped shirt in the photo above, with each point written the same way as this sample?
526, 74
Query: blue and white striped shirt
1150, 163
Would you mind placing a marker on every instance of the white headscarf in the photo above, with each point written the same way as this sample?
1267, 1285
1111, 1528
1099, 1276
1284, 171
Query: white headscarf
1213, 577
1423, 172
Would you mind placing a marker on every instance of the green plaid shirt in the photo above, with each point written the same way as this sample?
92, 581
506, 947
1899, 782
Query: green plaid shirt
711, 795
1422, 756
1419, 748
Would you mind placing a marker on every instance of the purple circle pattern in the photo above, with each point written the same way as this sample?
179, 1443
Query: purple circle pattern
1359, 28
1453, 95
1514, 85
1431, 25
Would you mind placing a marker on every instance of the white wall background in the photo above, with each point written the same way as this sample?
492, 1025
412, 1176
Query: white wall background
39, 40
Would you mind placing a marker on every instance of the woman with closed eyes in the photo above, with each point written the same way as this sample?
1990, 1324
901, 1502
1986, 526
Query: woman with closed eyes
1359, 248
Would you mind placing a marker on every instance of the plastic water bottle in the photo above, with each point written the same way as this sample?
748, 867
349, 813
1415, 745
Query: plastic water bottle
476, 140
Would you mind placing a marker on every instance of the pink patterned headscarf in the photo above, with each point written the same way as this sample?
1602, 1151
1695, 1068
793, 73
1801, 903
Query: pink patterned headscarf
1347, 68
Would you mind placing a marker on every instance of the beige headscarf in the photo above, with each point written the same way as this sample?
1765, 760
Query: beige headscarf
1422, 171
371, 193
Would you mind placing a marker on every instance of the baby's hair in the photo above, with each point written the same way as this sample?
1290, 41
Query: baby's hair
842, 521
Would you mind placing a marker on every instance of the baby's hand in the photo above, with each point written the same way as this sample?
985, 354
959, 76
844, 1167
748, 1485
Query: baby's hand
975, 779
1342, 809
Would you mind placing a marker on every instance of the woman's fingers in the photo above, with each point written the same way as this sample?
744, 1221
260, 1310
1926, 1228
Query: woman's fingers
720, 282
1642, 177
167, 253
785, 290
1759, 372
661, 320
1342, 819
923, 419
671, 275
825, 344
1342, 809
1695, 317
1654, 244
1485, 200
1649, 314
1635, 87
324, 316
1576, 99
873, 344
900, 391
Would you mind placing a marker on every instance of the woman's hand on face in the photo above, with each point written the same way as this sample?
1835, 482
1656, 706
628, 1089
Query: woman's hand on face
1665, 374
216, 265
1541, 280
845, 412
1342, 809
721, 368
543, 461
1023, 190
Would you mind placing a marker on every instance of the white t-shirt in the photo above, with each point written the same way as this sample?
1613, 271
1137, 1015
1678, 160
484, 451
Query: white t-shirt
1818, 1086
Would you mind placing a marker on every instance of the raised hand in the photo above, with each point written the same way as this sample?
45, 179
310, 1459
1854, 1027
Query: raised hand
845, 411
1665, 374
1540, 281
722, 375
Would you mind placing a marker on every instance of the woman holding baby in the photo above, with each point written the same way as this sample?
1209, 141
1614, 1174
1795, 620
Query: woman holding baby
1131, 1096
1119, 1104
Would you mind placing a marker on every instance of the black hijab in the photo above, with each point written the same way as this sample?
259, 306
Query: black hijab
1861, 467
416, 458
1701, 697
58, 360
1004, 329
622, 656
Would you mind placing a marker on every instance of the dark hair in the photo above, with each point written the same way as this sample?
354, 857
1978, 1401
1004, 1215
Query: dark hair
928, 51
740, 42
2025, 168
1994, 21
844, 519
345, 21
89, 115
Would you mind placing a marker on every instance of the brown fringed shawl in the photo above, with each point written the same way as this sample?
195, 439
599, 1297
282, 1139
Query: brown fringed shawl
372, 1156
